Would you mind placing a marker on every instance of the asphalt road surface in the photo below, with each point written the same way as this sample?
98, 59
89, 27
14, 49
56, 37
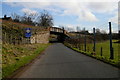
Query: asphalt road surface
62, 62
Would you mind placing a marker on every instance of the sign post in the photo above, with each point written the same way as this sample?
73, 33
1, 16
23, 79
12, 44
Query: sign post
28, 34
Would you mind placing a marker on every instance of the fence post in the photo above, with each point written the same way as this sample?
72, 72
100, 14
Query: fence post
94, 47
11, 39
79, 41
85, 42
88, 49
101, 51
5, 37
110, 37
63, 30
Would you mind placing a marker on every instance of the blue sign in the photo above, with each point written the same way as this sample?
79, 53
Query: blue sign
28, 32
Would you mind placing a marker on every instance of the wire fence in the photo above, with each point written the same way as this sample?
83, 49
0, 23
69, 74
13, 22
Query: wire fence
98, 43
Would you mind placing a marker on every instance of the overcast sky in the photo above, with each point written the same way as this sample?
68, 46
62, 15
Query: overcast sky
72, 13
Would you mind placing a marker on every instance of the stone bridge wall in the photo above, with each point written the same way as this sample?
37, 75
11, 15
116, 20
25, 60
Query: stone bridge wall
40, 37
43, 36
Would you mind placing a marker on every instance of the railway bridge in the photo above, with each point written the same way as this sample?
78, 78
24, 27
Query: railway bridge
59, 32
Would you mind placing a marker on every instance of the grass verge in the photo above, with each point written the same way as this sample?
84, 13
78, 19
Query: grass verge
16, 56
114, 62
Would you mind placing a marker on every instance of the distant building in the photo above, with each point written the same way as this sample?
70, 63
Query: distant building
6, 18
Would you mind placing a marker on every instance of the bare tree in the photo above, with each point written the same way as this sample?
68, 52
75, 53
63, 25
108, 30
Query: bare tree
28, 19
45, 19
103, 32
98, 31
15, 17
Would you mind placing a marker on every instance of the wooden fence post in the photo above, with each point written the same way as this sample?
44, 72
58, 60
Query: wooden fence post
85, 42
110, 37
88, 48
94, 47
101, 51
5, 37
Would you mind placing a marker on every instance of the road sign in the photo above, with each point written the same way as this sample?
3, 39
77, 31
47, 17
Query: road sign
28, 32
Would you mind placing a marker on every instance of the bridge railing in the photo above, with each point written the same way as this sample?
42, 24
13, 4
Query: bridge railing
55, 29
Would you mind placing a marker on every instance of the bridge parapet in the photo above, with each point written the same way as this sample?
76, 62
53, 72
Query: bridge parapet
58, 30
55, 29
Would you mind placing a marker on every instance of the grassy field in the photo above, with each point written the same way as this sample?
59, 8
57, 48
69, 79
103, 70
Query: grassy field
105, 51
16, 56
